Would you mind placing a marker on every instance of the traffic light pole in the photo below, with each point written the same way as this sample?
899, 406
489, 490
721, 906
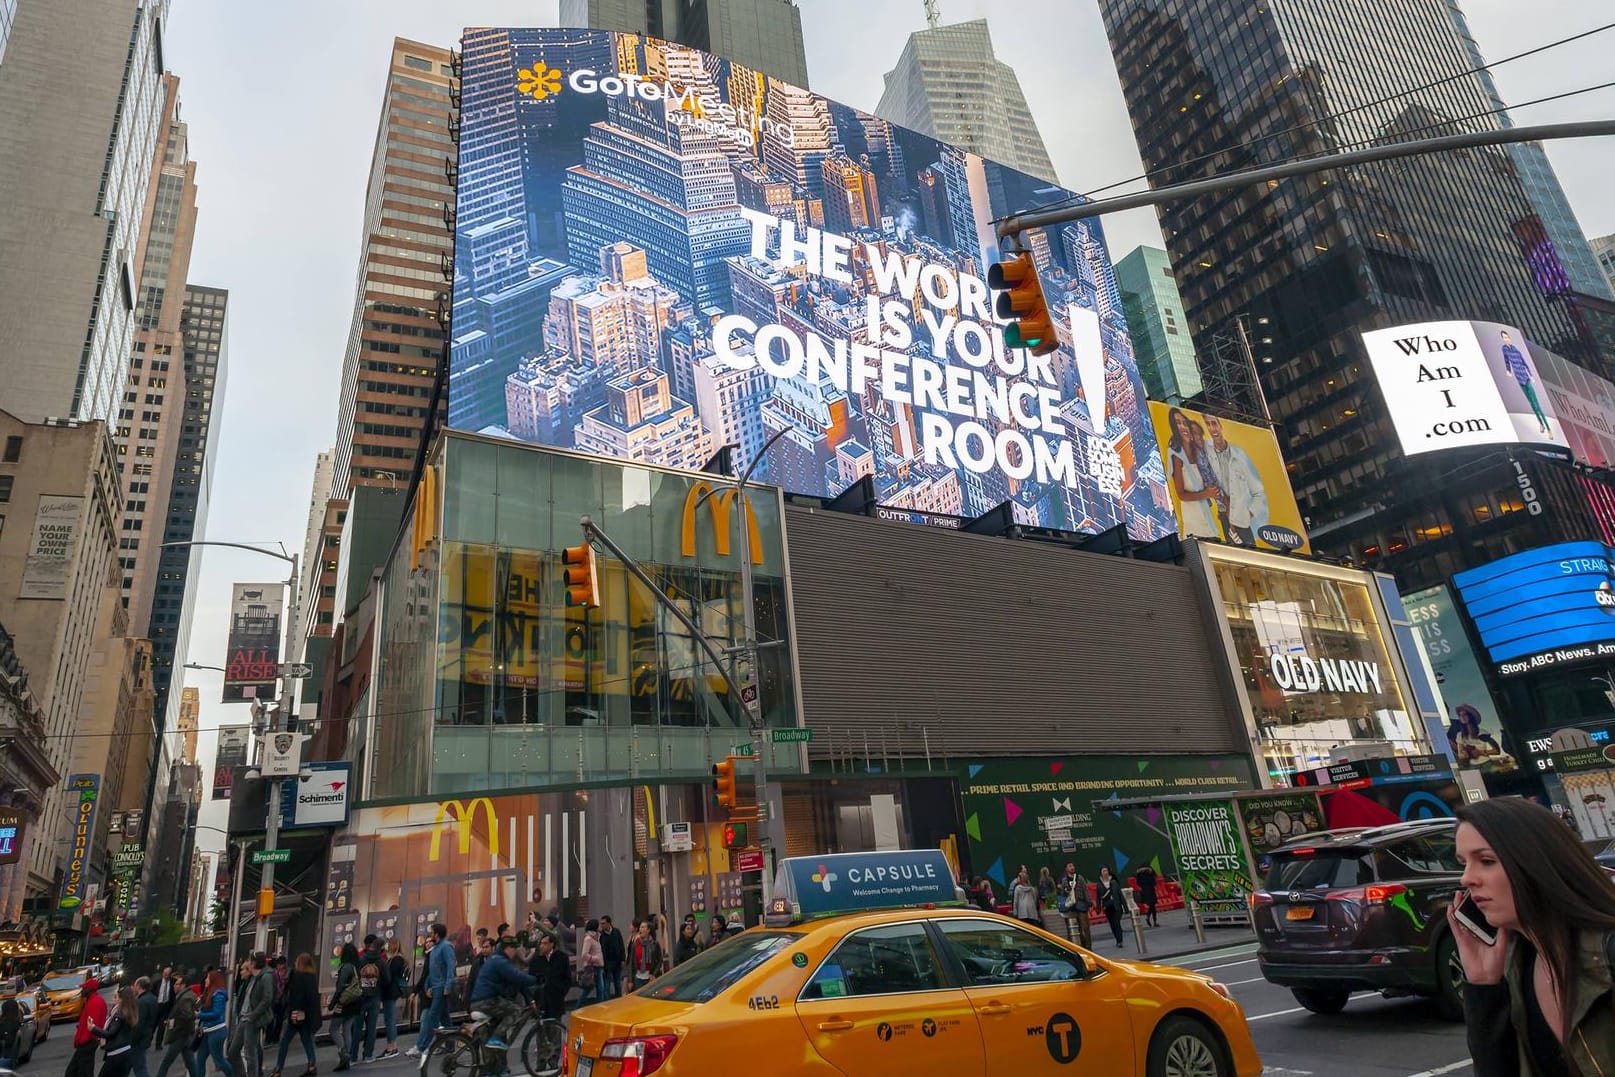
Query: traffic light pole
1011, 226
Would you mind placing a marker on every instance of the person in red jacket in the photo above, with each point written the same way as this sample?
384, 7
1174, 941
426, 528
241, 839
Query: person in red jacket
93, 1015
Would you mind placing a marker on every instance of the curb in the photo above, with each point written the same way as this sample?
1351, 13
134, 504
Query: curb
1198, 948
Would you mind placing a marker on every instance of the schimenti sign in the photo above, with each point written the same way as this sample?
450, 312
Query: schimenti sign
659, 253
843, 882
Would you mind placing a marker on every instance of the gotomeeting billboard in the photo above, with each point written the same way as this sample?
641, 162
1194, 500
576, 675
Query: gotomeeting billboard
659, 253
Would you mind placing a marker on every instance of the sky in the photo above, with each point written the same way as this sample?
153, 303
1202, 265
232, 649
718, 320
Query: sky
283, 102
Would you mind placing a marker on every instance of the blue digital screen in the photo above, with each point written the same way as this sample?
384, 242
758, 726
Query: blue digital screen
1546, 607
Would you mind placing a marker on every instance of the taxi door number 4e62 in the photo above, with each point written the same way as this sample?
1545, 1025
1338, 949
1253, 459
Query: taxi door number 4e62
763, 1002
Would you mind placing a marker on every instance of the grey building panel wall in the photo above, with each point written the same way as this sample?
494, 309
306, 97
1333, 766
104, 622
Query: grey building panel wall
987, 646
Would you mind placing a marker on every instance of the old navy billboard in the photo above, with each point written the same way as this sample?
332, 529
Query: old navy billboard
660, 253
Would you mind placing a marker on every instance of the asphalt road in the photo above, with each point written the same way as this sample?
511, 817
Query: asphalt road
1373, 1037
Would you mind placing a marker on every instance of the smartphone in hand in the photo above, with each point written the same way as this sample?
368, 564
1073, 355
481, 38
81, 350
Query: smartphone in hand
1467, 913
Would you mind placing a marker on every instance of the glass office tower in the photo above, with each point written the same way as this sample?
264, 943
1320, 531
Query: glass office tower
1215, 87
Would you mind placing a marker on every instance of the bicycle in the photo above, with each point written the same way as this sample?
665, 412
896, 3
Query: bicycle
466, 1052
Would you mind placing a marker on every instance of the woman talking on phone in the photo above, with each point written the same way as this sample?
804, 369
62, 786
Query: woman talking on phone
1538, 1003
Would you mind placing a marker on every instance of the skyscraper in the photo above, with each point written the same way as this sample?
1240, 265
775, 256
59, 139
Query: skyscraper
164, 416
948, 84
762, 34
395, 342
79, 124
1160, 332
1604, 250
1311, 262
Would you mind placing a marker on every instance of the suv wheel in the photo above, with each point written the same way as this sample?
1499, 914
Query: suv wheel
1324, 1000
1449, 979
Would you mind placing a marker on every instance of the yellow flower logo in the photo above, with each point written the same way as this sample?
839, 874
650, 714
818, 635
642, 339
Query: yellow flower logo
539, 81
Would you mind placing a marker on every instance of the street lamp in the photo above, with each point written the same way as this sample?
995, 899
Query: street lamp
745, 655
287, 722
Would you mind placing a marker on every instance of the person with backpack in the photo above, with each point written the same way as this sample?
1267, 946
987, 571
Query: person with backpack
1075, 905
347, 998
501, 988
394, 989
372, 978
302, 1013
181, 1031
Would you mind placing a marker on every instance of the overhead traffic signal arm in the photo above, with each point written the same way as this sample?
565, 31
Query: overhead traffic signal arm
1021, 303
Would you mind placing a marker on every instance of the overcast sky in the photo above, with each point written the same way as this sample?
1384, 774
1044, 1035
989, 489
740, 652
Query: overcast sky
283, 101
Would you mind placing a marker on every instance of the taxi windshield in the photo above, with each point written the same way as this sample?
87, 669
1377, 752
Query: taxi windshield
714, 971
64, 981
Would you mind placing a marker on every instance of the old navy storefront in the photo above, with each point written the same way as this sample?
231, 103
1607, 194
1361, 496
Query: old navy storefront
1320, 654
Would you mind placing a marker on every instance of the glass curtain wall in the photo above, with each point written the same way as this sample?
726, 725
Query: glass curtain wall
523, 690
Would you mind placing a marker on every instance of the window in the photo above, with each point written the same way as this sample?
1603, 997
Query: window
5, 487
13, 449
995, 954
714, 971
417, 63
1433, 854
879, 961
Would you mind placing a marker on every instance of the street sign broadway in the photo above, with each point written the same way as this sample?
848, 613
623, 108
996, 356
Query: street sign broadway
271, 856
791, 736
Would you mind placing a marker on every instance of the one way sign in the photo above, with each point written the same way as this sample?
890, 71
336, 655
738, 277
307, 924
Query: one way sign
295, 670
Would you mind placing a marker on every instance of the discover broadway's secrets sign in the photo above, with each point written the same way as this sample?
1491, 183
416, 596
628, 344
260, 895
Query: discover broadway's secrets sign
1210, 854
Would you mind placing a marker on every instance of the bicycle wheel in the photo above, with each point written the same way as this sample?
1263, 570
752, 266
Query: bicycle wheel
541, 1047
452, 1054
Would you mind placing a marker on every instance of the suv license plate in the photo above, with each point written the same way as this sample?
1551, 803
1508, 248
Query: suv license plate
585, 1067
1298, 912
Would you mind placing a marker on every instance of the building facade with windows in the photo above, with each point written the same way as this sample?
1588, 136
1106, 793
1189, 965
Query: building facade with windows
1314, 261
81, 119
765, 35
1162, 343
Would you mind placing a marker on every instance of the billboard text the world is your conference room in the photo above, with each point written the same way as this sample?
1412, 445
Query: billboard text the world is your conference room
660, 253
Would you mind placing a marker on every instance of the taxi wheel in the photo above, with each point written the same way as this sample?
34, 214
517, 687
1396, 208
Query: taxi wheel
1183, 1047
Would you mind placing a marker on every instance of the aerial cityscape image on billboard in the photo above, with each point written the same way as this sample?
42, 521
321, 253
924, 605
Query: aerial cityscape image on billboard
660, 253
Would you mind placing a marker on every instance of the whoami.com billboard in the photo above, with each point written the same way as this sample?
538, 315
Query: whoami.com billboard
660, 252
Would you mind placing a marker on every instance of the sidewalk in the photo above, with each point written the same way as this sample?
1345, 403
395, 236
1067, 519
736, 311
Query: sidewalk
1174, 938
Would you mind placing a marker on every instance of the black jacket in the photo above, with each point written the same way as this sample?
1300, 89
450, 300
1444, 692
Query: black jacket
148, 1006
554, 978
116, 1033
1110, 896
612, 949
303, 993
373, 986
684, 949
396, 985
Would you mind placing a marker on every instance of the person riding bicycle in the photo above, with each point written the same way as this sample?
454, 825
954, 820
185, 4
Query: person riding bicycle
501, 993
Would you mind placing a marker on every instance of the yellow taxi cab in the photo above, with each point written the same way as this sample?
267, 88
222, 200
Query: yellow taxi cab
63, 994
868, 964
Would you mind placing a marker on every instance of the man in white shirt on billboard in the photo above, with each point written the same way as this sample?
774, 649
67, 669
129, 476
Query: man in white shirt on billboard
1244, 499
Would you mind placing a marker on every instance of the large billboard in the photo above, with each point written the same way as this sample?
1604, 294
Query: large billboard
1474, 728
660, 253
253, 646
1547, 607
1452, 384
1228, 480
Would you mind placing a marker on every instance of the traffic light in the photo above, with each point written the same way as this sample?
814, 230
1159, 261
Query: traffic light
582, 589
1020, 298
723, 781
734, 835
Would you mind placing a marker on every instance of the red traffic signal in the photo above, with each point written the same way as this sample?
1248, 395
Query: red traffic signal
1020, 300
582, 589
723, 782
734, 835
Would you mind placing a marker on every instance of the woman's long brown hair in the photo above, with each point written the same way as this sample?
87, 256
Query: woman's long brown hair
1559, 889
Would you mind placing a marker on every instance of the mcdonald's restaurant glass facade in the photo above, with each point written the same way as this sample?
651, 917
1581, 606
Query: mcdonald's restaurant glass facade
486, 679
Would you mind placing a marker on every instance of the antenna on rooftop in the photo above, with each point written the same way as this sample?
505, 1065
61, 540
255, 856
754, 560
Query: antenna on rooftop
933, 17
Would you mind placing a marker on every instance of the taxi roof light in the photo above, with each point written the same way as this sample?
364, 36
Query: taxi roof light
640, 1055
